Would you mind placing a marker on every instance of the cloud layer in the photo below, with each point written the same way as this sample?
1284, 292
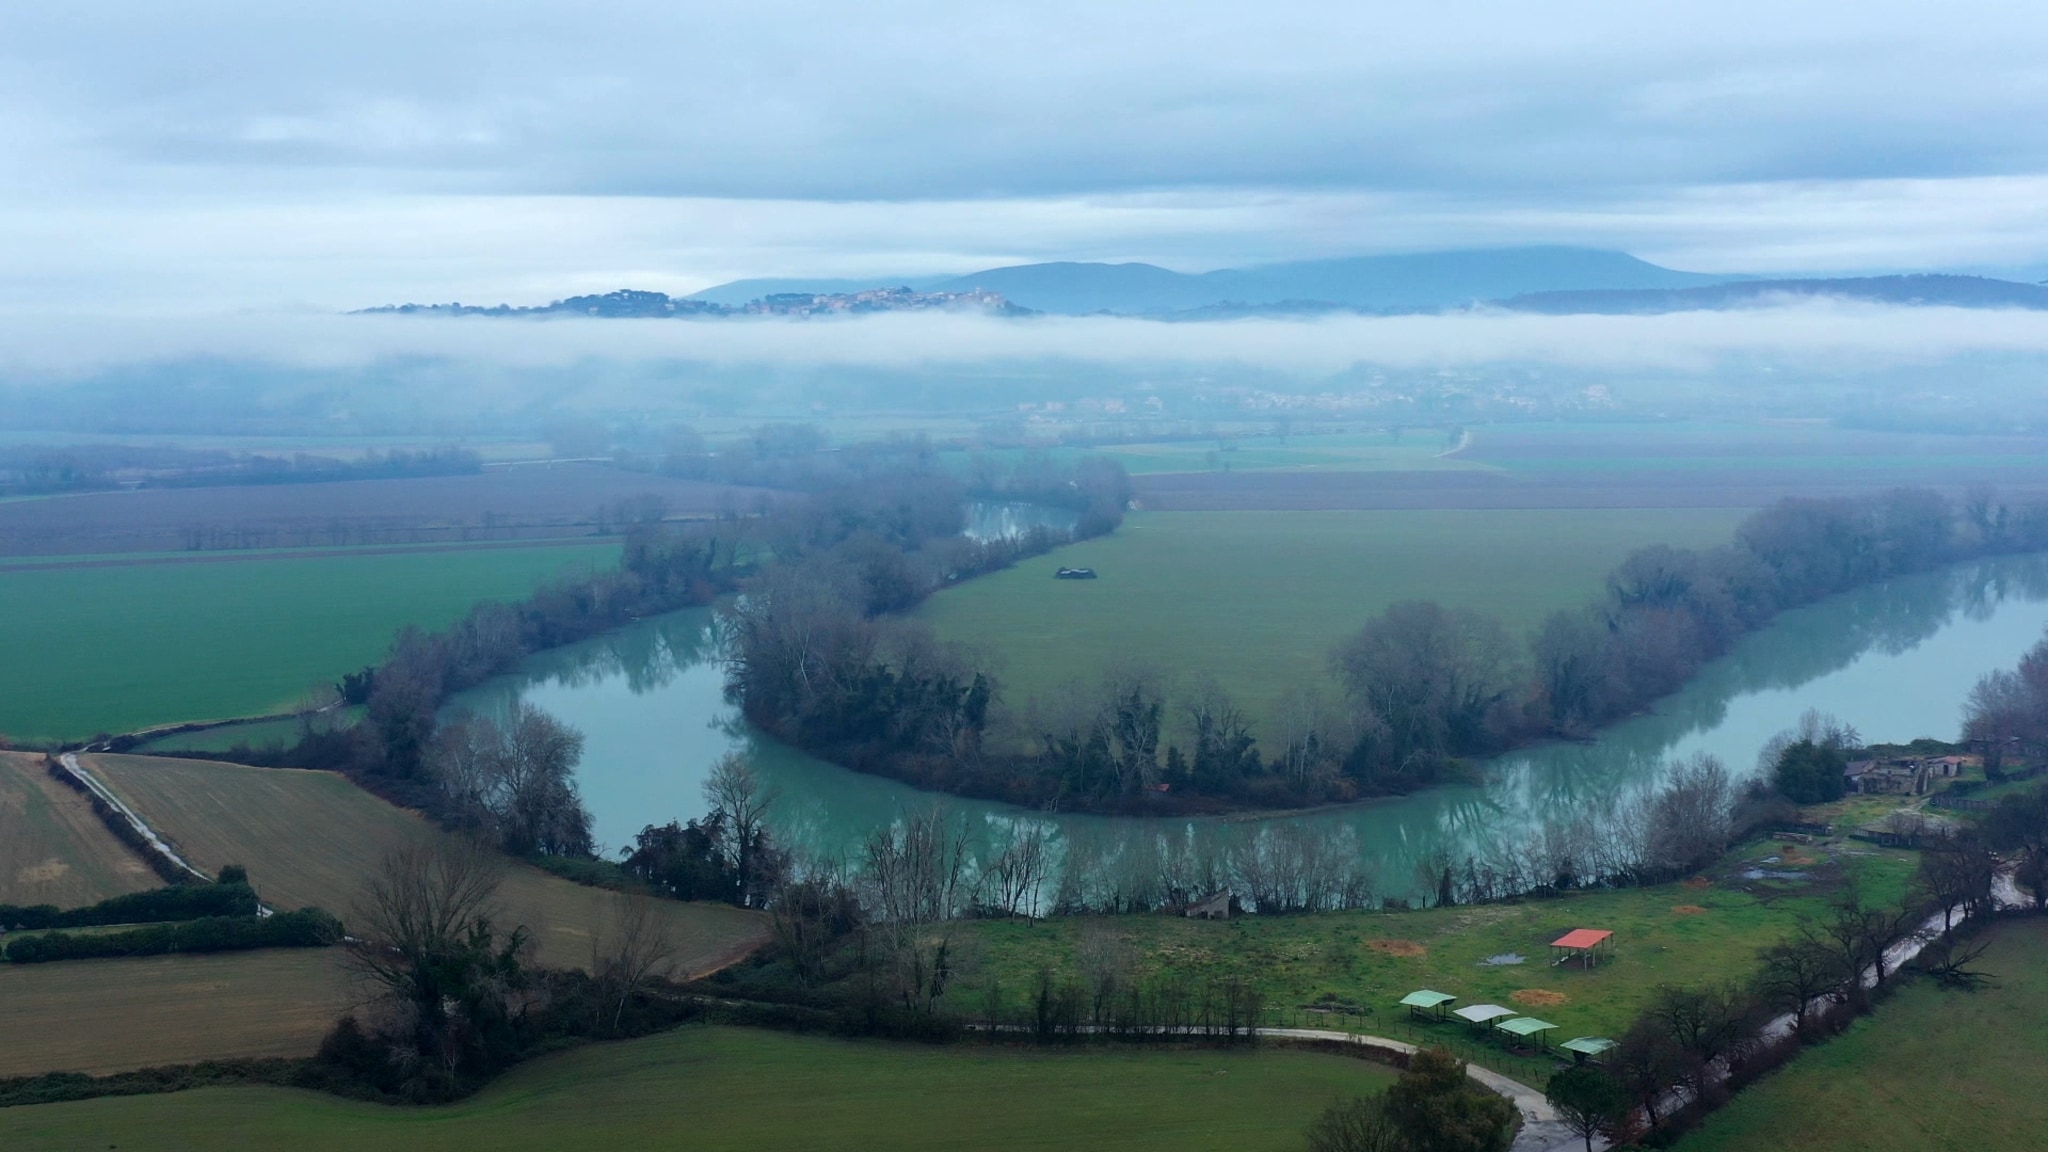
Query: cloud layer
233, 153
1829, 335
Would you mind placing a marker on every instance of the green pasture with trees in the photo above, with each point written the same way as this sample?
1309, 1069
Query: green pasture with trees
1933, 1068
1335, 967
1257, 600
126, 647
714, 1088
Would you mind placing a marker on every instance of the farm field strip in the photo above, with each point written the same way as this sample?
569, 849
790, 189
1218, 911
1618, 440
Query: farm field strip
53, 849
717, 1089
120, 649
1258, 600
101, 1016
314, 838
500, 503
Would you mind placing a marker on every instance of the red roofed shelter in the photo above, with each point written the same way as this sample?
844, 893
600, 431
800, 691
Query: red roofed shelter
1582, 944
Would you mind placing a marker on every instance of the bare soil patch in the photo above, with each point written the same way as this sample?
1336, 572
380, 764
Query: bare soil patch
1404, 948
1688, 909
1539, 997
1698, 882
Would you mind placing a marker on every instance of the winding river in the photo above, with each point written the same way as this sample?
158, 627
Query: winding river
1895, 659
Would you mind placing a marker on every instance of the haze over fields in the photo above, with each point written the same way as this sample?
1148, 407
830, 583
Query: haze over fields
1463, 577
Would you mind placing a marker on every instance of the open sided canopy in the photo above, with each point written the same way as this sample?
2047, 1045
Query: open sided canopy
1427, 999
1587, 1045
1524, 1026
1581, 938
1481, 1013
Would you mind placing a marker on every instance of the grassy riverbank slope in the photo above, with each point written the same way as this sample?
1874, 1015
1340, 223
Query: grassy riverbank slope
1931, 1071
716, 1089
1699, 931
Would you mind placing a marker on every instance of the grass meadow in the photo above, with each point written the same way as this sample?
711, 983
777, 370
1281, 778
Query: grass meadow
102, 1016
1931, 1071
53, 850
715, 1089
1258, 599
314, 837
1703, 930
115, 649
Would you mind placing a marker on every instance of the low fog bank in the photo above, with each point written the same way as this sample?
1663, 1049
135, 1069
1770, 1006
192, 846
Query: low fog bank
312, 374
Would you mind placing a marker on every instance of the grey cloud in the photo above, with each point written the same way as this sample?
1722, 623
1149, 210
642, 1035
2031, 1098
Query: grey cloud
948, 100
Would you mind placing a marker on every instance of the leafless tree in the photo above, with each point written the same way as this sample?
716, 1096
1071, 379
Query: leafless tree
637, 946
736, 796
1012, 880
912, 875
426, 941
1792, 974
516, 779
1691, 818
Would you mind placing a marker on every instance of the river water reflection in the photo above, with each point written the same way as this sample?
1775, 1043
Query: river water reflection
1896, 660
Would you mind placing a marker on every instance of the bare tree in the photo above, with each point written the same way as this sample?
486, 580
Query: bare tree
516, 779
736, 796
427, 942
1012, 880
911, 876
1430, 678
1793, 973
1691, 819
636, 947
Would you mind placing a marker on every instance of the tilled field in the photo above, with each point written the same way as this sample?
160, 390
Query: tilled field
1702, 487
528, 503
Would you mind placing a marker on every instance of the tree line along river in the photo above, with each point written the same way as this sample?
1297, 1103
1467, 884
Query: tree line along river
1895, 659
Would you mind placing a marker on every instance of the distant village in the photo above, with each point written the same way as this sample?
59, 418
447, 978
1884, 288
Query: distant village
632, 304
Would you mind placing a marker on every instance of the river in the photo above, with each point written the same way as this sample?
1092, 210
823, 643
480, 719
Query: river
1896, 660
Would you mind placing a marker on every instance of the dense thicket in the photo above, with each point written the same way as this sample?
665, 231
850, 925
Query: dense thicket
306, 928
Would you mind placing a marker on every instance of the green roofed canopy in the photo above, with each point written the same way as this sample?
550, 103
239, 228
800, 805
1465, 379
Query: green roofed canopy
1524, 1026
1427, 999
1481, 1013
1588, 1045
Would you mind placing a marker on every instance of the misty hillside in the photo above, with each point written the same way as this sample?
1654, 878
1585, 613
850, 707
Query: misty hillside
1951, 291
1410, 282
1401, 283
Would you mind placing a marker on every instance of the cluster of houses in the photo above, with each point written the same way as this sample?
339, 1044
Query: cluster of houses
1902, 775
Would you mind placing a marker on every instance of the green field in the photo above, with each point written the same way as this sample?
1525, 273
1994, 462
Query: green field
1688, 934
1258, 599
314, 838
712, 1089
116, 649
1931, 1071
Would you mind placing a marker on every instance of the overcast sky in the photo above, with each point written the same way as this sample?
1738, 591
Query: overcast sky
205, 154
